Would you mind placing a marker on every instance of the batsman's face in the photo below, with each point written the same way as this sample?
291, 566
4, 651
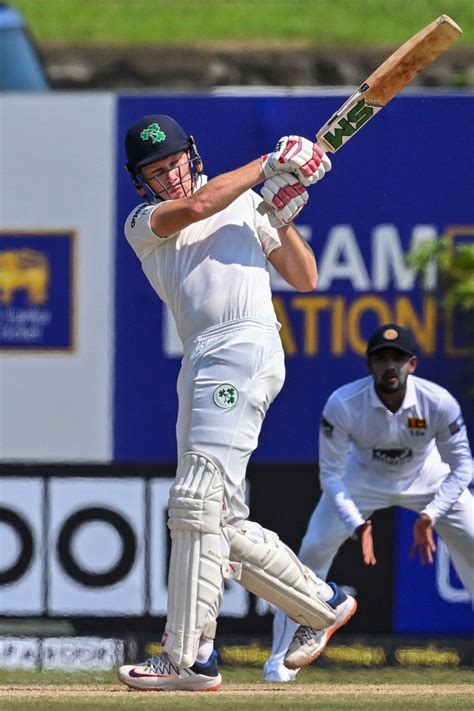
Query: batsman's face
169, 178
390, 369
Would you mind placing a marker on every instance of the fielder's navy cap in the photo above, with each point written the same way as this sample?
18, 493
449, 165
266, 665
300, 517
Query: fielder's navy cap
391, 335
152, 138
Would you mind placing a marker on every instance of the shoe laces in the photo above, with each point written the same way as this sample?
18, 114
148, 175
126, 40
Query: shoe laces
304, 634
161, 664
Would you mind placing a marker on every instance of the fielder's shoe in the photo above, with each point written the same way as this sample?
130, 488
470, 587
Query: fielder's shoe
308, 643
278, 672
160, 674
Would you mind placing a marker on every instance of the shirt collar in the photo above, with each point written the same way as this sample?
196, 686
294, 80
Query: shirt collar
408, 401
200, 180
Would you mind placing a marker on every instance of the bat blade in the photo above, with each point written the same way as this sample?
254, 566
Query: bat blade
387, 80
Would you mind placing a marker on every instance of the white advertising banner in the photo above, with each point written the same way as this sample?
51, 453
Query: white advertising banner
96, 543
86, 546
56, 281
65, 653
21, 546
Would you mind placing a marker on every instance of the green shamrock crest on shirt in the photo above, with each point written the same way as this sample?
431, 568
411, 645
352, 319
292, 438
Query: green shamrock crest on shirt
226, 396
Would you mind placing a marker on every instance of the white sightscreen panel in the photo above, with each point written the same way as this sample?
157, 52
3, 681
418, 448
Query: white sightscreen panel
96, 544
21, 546
57, 160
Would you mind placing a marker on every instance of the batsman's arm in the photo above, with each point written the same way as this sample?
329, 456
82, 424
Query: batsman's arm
174, 215
295, 260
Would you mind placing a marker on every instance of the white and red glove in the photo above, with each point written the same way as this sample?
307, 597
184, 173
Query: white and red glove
285, 194
297, 155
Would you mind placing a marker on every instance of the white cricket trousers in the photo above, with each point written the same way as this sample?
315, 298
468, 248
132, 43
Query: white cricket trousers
229, 376
326, 533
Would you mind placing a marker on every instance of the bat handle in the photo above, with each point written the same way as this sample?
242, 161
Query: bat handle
264, 208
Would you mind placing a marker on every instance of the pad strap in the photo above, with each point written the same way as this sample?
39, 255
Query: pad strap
272, 571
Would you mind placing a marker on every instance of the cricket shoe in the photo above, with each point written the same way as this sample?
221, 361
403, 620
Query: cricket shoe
278, 672
308, 643
159, 673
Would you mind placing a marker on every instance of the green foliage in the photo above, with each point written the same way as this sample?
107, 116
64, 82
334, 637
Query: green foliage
454, 290
455, 270
309, 22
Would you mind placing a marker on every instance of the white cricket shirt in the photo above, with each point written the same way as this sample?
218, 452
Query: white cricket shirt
423, 447
213, 271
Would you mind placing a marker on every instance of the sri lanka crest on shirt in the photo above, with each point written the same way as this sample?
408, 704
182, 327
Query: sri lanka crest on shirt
417, 426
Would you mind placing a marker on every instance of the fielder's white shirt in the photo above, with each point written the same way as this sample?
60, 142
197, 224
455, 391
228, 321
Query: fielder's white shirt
213, 271
420, 448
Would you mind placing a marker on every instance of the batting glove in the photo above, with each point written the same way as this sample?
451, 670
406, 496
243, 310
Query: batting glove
286, 195
297, 155
324, 168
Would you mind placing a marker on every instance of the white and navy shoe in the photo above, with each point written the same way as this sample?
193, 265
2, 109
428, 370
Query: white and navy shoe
308, 643
278, 672
159, 673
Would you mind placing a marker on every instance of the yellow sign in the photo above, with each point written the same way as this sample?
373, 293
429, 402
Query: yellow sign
24, 269
344, 322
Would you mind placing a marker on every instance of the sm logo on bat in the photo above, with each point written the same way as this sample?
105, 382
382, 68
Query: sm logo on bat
347, 125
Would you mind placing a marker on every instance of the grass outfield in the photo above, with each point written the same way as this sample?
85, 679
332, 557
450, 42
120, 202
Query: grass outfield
322, 22
386, 688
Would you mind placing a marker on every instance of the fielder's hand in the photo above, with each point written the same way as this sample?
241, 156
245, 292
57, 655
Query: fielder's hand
286, 195
363, 534
423, 539
297, 155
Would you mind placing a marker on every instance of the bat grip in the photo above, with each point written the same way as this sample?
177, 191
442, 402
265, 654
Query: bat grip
264, 208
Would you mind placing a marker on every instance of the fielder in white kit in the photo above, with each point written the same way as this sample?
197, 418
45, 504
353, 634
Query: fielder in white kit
205, 249
389, 439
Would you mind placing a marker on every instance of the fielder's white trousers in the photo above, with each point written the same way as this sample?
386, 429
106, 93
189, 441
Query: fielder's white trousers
326, 533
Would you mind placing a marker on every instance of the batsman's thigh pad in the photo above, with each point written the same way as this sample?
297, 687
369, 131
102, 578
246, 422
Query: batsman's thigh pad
272, 571
195, 572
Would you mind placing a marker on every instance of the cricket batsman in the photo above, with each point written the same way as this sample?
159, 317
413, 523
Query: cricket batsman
206, 249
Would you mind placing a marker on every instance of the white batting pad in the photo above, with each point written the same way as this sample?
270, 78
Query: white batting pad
272, 571
195, 577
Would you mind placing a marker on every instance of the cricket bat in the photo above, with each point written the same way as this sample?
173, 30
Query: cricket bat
382, 85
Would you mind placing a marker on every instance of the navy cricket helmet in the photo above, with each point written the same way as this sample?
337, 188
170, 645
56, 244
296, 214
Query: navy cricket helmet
152, 138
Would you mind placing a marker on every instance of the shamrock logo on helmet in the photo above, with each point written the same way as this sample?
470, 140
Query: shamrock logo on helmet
154, 132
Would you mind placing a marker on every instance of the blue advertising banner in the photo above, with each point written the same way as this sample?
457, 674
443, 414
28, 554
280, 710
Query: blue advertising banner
403, 179
36, 291
437, 601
